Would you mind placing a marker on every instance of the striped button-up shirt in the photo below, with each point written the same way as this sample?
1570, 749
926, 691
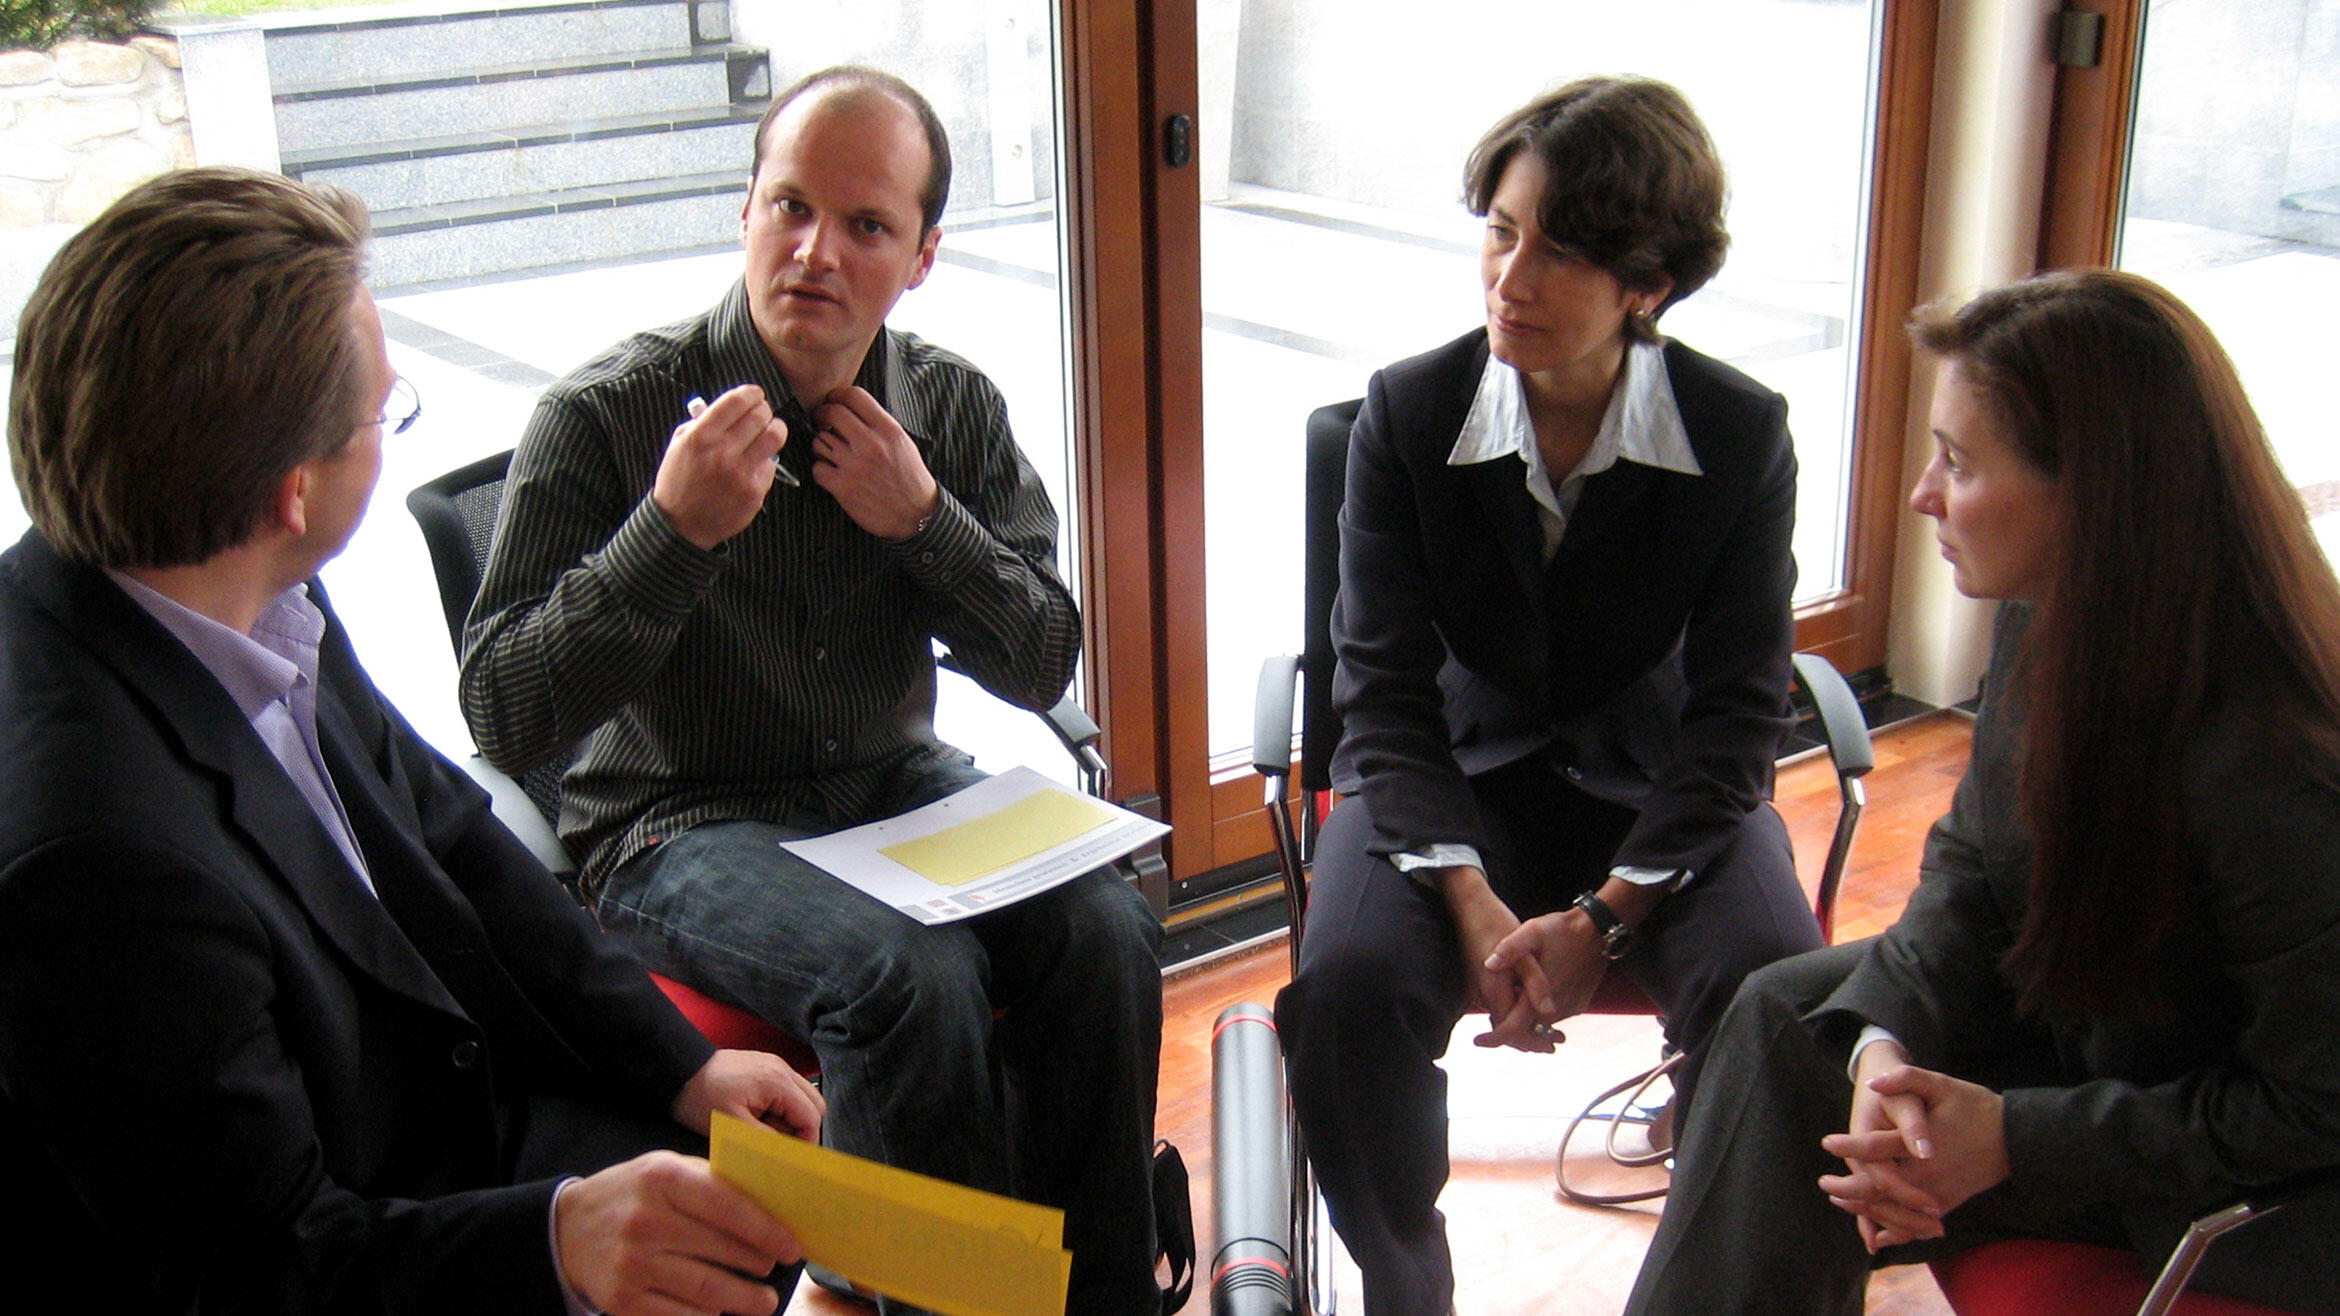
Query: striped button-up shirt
787, 674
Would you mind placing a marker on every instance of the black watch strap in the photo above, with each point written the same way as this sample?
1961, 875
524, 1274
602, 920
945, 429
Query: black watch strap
1615, 936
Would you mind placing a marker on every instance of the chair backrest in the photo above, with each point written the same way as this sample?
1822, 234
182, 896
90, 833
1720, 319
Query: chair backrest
1325, 485
457, 513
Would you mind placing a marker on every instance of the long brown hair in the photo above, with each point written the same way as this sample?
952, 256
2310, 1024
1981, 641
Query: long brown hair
2186, 567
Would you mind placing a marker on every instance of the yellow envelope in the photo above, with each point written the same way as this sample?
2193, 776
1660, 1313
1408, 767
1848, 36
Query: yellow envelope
959, 1251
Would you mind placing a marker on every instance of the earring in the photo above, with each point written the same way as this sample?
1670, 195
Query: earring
1644, 322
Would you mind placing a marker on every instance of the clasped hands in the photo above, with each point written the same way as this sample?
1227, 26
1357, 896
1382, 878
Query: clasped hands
660, 1233
717, 469
1919, 1144
1527, 976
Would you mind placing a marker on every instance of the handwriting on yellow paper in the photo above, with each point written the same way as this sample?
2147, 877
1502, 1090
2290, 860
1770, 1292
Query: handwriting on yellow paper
956, 1250
979, 847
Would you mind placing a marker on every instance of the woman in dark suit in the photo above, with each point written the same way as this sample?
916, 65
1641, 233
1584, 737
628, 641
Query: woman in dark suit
2111, 1002
1563, 634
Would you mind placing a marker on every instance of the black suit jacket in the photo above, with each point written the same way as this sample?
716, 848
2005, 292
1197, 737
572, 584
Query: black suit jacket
230, 1078
1652, 660
2235, 1081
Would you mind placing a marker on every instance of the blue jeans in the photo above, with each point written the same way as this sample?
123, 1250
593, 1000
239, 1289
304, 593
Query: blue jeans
1052, 1102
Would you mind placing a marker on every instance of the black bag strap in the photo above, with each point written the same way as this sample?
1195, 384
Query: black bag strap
1174, 1224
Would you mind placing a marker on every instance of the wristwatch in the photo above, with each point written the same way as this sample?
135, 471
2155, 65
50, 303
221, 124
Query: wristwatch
1615, 936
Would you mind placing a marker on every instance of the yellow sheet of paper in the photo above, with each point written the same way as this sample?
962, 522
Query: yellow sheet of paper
956, 1250
978, 847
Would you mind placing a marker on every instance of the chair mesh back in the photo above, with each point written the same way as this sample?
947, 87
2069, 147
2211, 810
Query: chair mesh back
478, 507
457, 513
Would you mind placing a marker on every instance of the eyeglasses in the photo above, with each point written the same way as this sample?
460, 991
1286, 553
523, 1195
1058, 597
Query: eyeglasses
402, 408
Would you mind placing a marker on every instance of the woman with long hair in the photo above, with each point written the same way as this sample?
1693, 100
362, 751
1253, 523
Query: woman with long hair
2114, 998
1563, 634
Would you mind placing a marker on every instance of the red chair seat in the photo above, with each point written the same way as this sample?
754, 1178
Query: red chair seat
1618, 995
734, 1029
2039, 1277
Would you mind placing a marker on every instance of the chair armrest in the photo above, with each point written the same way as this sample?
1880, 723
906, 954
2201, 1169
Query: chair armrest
519, 813
1078, 733
1271, 716
2179, 1269
1842, 727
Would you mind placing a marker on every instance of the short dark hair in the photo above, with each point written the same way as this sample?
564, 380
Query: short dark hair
180, 355
933, 196
1632, 180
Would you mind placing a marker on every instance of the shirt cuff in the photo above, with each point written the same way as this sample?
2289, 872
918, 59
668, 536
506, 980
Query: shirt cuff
1872, 1033
1422, 864
952, 547
1672, 879
576, 1306
652, 566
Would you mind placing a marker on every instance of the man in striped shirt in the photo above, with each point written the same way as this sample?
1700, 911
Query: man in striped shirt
733, 603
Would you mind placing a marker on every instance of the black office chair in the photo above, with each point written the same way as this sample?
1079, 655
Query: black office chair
1842, 730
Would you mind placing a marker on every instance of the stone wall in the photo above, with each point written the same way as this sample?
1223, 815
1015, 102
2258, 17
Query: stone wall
79, 125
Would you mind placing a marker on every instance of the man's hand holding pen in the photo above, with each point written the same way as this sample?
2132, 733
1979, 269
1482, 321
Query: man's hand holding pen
718, 466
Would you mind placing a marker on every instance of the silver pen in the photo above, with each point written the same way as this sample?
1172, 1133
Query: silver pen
779, 472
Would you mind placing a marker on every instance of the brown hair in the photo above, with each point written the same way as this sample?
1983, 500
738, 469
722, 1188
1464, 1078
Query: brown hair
178, 357
937, 192
1633, 183
2187, 569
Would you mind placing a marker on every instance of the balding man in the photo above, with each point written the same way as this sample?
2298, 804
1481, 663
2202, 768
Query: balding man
735, 606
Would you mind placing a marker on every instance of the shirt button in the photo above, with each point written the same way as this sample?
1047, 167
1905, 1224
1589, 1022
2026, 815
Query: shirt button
820, 653
466, 1054
1574, 772
926, 559
829, 745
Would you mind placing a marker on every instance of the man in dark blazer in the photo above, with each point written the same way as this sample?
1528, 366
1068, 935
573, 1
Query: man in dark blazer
288, 1022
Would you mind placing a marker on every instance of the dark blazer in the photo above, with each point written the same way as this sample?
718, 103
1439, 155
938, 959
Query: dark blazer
1651, 657
2237, 1083
229, 1077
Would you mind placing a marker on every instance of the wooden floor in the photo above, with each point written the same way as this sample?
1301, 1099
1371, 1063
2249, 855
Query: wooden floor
1518, 1246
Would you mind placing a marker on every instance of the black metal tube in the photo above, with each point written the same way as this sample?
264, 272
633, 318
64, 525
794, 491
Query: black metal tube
1251, 1273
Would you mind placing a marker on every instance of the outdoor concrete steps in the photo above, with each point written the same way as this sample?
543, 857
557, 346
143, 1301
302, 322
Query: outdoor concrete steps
526, 135
461, 240
543, 158
356, 44
442, 102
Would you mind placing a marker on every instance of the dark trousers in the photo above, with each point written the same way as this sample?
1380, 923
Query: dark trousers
1747, 1229
1381, 987
901, 1017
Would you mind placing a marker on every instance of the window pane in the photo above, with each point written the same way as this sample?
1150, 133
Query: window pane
2234, 204
1335, 240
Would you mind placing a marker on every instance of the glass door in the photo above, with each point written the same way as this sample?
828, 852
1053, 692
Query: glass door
2233, 202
